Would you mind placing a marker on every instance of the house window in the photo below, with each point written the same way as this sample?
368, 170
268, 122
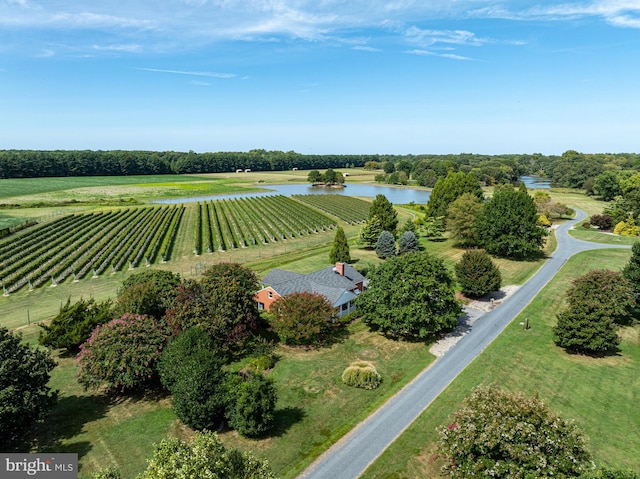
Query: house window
345, 306
270, 294
260, 305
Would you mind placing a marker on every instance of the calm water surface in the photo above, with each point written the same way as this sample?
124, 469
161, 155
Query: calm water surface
400, 196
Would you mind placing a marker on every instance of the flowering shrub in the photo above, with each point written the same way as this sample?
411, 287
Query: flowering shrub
500, 434
121, 354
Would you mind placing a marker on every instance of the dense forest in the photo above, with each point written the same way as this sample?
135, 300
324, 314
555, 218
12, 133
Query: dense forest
571, 169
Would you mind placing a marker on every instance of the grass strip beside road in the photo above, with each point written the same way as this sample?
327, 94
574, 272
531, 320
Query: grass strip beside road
597, 392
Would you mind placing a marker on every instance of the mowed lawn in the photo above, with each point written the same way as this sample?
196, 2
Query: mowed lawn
314, 408
600, 394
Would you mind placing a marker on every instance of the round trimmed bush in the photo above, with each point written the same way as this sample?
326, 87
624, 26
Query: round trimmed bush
361, 374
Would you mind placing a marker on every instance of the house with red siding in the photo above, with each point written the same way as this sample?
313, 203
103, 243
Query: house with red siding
340, 284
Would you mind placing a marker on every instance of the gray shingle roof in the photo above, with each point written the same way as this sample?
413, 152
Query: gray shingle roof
326, 282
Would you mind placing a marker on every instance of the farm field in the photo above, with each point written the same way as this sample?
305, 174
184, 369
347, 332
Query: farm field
121, 432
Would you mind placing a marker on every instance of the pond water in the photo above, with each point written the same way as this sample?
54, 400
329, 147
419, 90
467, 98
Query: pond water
534, 182
399, 196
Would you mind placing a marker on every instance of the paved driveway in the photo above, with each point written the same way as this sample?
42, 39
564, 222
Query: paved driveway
349, 457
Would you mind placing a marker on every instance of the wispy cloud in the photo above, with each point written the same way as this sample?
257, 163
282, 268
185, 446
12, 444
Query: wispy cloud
192, 73
364, 48
126, 48
427, 37
451, 56
619, 13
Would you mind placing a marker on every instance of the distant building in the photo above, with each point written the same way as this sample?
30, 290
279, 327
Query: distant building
340, 284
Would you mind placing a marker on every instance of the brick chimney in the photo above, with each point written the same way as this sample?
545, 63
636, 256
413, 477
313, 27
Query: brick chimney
340, 269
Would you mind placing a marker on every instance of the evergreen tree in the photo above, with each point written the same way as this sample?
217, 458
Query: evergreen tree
388, 216
74, 323
508, 225
631, 272
408, 243
477, 274
340, 250
409, 225
386, 245
370, 232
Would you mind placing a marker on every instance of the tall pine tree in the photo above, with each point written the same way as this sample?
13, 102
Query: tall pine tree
340, 250
383, 209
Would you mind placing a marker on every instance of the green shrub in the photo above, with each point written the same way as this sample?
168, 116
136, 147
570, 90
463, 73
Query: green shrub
477, 274
251, 404
262, 363
108, 473
74, 323
361, 374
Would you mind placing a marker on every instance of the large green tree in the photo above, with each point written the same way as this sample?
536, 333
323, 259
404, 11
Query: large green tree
340, 249
410, 296
450, 188
462, 217
500, 434
192, 370
386, 213
607, 185
477, 274
25, 396
596, 302
508, 225
73, 325
221, 302
204, 457
150, 292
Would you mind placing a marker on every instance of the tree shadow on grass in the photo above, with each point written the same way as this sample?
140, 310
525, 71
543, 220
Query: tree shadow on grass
284, 419
66, 421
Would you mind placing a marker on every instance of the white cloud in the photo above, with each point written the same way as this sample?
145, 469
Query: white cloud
426, 37
193, 73
127, 48
619, 13
451, 56
364, 48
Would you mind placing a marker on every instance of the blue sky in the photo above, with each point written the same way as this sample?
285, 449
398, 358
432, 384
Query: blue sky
323, 76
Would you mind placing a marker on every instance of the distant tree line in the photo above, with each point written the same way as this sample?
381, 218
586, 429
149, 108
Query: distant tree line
571, 169
34, 164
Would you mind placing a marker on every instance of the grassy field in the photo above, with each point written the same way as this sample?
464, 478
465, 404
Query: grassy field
314, 408
597, 393
72, 191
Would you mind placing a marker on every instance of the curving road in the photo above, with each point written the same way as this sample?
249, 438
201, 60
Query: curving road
349, 457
